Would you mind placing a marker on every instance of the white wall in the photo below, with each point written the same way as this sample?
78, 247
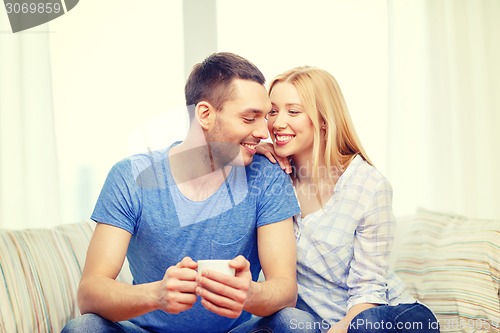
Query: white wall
347, 38
117, 67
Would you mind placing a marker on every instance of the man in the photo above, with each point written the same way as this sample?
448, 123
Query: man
206, 197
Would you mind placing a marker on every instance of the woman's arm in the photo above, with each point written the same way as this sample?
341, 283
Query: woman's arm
372, 245
367, 279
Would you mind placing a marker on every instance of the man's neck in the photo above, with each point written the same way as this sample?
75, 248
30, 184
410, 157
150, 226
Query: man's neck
195, 172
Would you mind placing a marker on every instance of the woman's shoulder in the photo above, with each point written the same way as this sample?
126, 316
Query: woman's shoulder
361, 173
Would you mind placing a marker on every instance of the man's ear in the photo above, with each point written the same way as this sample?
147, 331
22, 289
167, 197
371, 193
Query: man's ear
204, 113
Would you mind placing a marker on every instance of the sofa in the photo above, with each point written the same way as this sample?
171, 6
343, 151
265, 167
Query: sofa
39, 274
449, 262
452, 264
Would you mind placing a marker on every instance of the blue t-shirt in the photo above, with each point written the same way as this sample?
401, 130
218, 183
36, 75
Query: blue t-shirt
140, 196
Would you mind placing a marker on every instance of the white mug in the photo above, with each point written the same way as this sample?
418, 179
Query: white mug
216, 265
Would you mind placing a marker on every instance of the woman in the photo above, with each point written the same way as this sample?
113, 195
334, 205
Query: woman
346, 227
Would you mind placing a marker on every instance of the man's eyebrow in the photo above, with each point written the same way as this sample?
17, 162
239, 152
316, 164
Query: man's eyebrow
252, 110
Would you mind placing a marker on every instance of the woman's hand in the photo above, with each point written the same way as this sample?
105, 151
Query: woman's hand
267, 149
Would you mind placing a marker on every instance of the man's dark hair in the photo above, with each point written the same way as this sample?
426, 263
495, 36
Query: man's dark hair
212, 79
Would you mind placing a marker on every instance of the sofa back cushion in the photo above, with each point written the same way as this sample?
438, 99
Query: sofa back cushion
40, 270
39, 274
452, 264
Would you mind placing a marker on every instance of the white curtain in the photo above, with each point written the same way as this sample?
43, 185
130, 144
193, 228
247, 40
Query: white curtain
444, 105
29, 193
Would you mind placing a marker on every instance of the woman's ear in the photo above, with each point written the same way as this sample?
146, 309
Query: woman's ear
323, 124
203, 111
323, 129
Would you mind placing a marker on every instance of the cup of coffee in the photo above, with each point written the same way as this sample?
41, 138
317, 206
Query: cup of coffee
221, 266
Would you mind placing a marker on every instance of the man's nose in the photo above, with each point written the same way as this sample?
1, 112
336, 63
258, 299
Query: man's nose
261, 130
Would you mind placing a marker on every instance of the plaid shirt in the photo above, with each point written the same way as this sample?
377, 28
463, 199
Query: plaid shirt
343, 249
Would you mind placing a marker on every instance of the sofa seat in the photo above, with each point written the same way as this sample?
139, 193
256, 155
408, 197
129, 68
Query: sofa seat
449, 262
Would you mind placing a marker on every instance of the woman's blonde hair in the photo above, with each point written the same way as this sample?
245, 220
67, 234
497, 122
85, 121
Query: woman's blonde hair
324, 103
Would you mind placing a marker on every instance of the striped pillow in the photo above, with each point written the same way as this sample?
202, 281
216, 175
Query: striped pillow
452, 264
39, 274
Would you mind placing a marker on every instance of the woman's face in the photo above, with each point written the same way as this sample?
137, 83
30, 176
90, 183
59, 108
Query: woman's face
290, 127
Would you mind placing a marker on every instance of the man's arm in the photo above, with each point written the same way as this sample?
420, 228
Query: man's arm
101, 294
228, 295
277, 254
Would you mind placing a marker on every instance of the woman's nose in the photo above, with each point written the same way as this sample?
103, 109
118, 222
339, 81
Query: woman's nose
280, 122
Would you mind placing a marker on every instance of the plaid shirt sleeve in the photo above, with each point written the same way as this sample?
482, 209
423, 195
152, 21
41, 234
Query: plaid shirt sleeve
367, 279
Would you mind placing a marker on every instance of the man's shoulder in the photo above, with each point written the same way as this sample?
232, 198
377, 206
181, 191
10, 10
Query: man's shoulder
142, 161
139, 168
260, 162
151, 156
262, 173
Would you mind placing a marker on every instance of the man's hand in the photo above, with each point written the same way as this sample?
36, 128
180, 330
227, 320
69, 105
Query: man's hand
223, 294
267, 149
178, 288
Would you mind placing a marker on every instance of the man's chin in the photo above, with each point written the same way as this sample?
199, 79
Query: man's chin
243, 159
247, 161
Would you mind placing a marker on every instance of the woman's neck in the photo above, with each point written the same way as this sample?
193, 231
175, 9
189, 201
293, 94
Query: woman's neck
312, 192
302, 167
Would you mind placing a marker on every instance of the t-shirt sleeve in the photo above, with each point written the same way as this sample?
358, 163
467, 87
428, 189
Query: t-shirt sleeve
277, 199
118, 203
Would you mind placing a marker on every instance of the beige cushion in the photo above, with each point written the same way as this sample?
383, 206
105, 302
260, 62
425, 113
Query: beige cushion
39, 274
452, 264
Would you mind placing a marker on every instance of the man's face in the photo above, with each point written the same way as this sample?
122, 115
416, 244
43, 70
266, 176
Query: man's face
240, 125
